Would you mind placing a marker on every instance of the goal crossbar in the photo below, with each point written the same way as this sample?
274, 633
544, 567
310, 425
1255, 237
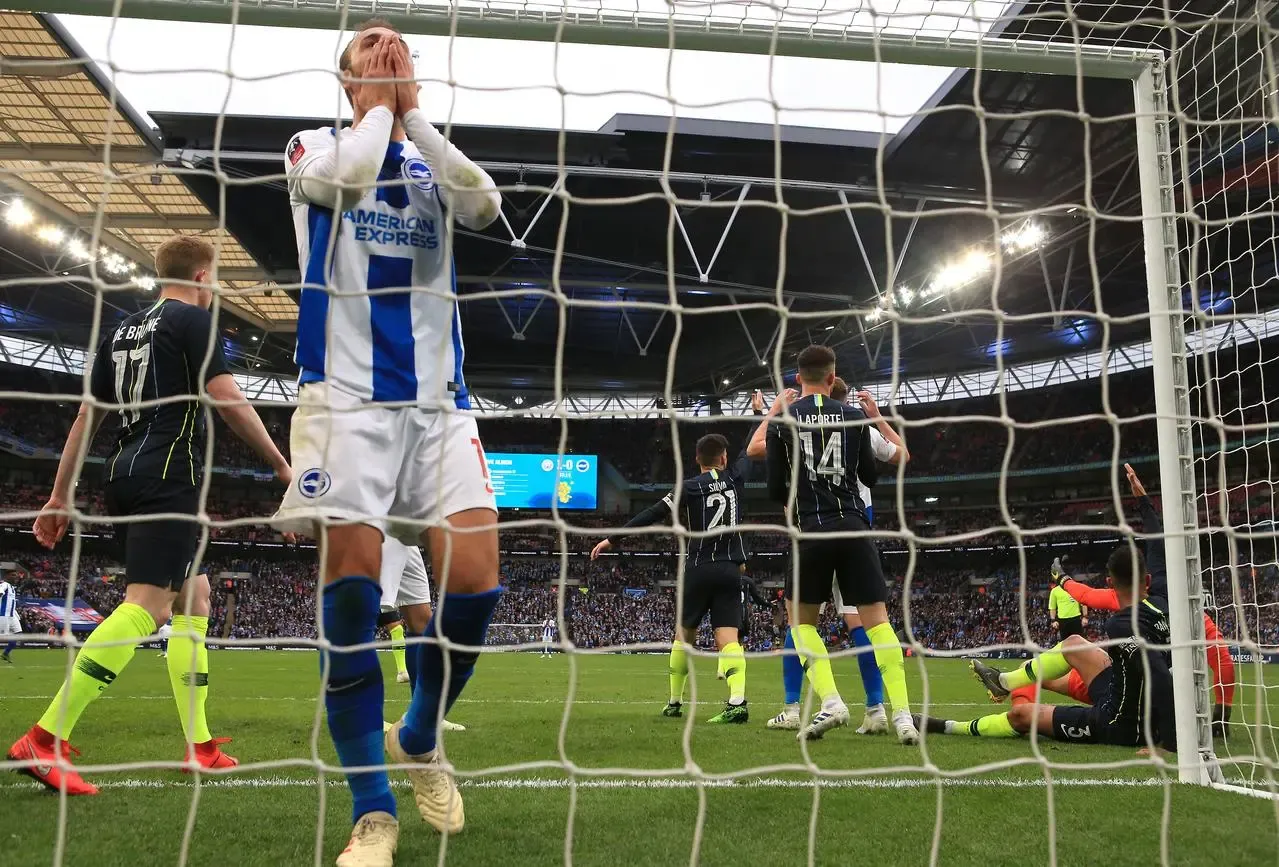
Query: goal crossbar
640, 30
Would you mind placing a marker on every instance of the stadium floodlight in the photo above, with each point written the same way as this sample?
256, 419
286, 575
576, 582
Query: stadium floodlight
906, 295
961, 272
77, 249
142, 281
18, 214
51, 235
1024, 238
930, 499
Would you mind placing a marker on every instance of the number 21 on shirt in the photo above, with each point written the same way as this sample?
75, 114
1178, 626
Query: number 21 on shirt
832, 458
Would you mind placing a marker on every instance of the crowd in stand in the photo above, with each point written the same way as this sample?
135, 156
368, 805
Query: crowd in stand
630, 602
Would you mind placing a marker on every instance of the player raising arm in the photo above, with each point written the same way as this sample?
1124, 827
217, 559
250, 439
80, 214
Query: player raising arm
1115, 678
378, 443
1105, 599
826, 456
150, 368
708, 502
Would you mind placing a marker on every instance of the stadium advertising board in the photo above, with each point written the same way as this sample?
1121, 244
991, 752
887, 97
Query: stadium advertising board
526, 481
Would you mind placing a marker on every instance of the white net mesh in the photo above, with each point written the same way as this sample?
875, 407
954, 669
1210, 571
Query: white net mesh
948, 194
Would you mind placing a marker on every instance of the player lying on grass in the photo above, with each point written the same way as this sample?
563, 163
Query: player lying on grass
813, 471
378, 441
1105, 599
406, 601
1121, 680
151, 368
889, 448
708, 505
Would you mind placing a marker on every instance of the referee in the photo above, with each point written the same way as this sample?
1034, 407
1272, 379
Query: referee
1068, 616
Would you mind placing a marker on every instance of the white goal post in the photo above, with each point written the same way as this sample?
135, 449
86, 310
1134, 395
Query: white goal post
1147, 69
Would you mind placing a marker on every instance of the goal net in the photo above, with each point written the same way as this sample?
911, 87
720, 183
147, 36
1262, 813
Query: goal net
1038, 239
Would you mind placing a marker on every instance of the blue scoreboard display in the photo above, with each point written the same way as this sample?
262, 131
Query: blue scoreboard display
523, 481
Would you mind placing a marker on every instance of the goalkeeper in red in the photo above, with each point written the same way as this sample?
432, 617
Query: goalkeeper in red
1105, 599
380, 441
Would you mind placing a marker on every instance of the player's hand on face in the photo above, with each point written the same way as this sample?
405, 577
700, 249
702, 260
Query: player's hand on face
600, 548
1138, 489
50, 526
376, 87
406, 86
868, 405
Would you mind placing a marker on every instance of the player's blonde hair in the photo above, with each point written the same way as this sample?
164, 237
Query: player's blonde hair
344, 60
181, 257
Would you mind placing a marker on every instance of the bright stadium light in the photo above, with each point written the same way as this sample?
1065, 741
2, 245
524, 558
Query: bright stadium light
51, 235
77, 249
874, 315
961, 272
906, 294
142, 281
930, 499
1026, 237
18, 214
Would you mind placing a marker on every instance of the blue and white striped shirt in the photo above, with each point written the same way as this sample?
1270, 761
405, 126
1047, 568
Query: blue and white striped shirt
8, 600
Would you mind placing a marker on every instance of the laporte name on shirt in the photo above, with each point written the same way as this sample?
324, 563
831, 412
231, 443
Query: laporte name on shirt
379, 227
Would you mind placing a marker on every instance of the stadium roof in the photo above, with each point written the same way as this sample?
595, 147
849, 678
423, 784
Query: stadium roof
59, 131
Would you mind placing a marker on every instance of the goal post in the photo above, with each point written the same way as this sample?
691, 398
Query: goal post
1172, 407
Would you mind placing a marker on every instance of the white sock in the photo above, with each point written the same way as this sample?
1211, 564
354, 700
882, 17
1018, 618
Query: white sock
950, 726
874, 709
835, 702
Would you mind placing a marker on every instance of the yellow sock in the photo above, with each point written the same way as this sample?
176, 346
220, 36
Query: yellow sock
732, 662
679, 672
993, 726
97, 666
892, 665
189, 674
1050, 665
397, 648
816, 660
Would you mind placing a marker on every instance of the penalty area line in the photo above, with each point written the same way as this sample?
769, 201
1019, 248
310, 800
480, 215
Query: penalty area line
277, 782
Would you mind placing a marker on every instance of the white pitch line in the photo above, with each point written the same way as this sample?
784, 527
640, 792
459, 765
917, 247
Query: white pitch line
557, 701
913, 782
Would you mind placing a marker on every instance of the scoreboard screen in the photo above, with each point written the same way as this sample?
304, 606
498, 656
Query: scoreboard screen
524, 481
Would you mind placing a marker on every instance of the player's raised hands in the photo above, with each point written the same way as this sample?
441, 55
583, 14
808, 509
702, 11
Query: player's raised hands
406, 86
785, 398
376, 86
1134, 482
600, 547
757, 401
51, 524
867, 402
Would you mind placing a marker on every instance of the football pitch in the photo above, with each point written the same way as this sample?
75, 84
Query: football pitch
523, 807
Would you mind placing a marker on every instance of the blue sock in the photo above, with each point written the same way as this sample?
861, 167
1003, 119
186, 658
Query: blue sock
354, 692
792, 670
462, 618
410, 657
872, 680
9, 647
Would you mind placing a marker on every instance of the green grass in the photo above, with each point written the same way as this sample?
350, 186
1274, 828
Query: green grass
268, 813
